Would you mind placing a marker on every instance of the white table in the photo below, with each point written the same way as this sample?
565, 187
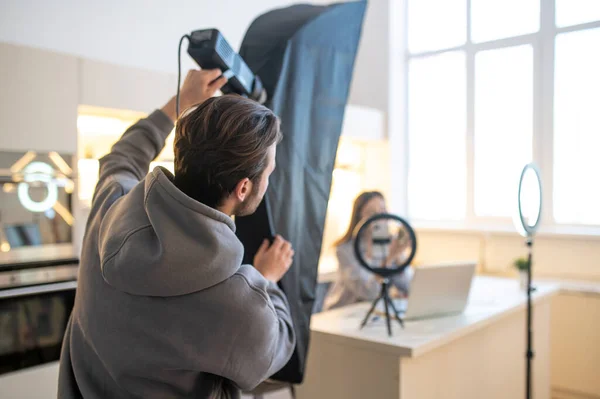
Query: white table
478, 354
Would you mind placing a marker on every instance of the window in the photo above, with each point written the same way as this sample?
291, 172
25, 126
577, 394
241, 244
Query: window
438, 124
444, 28
499, 19
577, 128
575, 12
493, 85
503, 125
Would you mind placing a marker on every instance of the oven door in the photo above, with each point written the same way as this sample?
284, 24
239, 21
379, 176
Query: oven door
32, 323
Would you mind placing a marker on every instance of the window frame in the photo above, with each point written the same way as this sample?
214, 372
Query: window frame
543, 45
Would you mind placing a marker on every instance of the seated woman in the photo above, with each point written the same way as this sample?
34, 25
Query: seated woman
354, 283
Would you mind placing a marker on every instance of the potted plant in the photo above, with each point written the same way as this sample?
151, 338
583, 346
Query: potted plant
522, 264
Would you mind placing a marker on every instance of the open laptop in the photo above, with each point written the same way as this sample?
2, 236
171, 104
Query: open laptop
438, 290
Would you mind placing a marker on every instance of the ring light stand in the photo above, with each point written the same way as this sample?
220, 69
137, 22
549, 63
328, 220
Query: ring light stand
527, 228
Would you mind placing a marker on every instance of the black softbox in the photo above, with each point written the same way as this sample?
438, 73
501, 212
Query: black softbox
304, 55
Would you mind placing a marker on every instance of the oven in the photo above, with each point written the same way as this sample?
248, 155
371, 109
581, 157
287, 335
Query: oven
38, 265
36, 300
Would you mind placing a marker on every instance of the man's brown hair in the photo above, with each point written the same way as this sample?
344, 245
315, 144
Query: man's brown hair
222, 141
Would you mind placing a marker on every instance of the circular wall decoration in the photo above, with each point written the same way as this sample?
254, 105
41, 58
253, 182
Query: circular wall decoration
38, 172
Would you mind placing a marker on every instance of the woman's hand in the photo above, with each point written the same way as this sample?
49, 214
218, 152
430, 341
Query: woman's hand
395, 293
397, 248
369, 249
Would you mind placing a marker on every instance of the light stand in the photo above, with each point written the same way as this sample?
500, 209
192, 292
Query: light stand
527, 222
530, 353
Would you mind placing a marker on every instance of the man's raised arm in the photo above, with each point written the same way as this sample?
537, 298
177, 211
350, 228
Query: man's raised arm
129, 159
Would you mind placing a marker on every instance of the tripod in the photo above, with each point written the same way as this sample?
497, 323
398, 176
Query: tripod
387, 301
529, 354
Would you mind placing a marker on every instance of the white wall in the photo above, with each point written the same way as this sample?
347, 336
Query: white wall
145, 33
370, 85
554, 256
136, 33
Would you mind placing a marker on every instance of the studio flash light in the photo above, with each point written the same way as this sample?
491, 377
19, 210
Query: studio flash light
210, 50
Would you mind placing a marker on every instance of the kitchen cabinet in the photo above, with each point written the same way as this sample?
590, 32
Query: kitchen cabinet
575, 344
120, 87
38, 106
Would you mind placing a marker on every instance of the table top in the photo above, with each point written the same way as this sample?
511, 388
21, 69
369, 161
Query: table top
491, 298
37, 256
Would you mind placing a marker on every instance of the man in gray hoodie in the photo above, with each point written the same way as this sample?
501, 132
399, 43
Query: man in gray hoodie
164, 308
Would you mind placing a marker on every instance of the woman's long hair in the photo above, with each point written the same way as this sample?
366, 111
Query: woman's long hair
359, 204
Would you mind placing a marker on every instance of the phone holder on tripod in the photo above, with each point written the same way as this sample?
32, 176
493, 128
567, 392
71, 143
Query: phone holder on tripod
385, 244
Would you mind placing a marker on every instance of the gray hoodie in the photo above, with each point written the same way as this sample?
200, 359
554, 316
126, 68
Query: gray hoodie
164, 307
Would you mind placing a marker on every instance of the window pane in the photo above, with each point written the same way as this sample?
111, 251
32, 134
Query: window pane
436, 24
499, 19
437, 125
574, 12
577, 128
503, 126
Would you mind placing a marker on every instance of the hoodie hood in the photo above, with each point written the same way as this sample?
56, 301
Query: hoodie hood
157, 241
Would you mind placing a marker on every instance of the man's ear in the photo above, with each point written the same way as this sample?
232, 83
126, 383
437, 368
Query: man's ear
243, 189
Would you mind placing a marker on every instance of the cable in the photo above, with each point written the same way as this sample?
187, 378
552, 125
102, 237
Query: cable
179, 73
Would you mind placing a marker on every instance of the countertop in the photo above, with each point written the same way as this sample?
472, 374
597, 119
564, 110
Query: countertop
491, 298
43, 255
575, 286
38, 382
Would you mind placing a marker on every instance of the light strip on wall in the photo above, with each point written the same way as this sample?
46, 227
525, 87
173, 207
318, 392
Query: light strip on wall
64, 213
24, 160
60, 163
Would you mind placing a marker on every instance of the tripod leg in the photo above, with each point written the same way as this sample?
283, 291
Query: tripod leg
397, 314
364, 322
386, 300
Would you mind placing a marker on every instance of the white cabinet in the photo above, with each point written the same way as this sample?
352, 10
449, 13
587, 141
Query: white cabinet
38, 102
41, 91
575, 345
119, 87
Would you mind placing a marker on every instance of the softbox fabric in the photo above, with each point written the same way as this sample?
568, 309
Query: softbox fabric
304, 55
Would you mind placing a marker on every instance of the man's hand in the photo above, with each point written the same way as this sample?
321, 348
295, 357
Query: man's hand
275, 260
198, 87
